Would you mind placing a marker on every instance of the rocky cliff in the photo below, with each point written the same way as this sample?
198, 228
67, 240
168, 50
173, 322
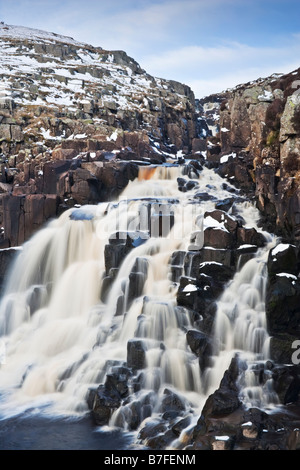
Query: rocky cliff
74, 120
259, 147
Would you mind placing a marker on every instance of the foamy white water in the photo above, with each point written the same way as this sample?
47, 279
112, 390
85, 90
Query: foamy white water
60, 338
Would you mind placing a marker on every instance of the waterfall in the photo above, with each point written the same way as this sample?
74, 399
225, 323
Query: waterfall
240, 327
62, 335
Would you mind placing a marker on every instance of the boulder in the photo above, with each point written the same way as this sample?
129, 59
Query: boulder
286, 383
218, 238
283, 259
103, 403
136, 354
7, 257
172, 402
201, 345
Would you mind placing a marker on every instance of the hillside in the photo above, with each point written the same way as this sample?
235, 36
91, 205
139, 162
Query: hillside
63, 102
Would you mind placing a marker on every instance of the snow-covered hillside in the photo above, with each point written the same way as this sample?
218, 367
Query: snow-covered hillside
47, 71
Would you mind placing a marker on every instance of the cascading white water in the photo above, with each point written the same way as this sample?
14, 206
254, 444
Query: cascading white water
60, 338
240, 327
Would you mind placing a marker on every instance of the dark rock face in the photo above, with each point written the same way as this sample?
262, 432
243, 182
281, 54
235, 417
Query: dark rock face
282, 301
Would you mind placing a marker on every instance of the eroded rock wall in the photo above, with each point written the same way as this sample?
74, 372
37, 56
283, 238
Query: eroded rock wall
260, 147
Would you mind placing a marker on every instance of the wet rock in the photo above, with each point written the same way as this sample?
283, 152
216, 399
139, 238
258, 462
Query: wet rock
186, 185
200, 294
7, 257
180, 425
189, 293
172, 402
201, 345
137, 279
117, 380
281, 348
137, 415
192, 169
136, 354
219, 273
108, 397
226, 399
191, 263
161, 441
225, 205
250, 236
103, 403
120, 244
154, 434
220, 256
222, 443
243, 254
176, 263
204, 197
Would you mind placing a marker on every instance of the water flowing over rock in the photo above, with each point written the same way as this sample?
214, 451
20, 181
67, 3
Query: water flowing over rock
154, 354
149, 250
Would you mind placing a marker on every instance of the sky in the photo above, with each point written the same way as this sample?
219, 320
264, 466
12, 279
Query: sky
210, 45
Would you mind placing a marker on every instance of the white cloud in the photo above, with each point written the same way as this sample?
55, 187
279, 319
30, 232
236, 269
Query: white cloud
213, 69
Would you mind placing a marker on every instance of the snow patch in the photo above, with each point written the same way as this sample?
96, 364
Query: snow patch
225, 158
267, 96
288, 275
190, 288
210, 222
280, 248
113, 136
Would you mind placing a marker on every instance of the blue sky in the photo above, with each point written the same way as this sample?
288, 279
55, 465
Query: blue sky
210, 45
